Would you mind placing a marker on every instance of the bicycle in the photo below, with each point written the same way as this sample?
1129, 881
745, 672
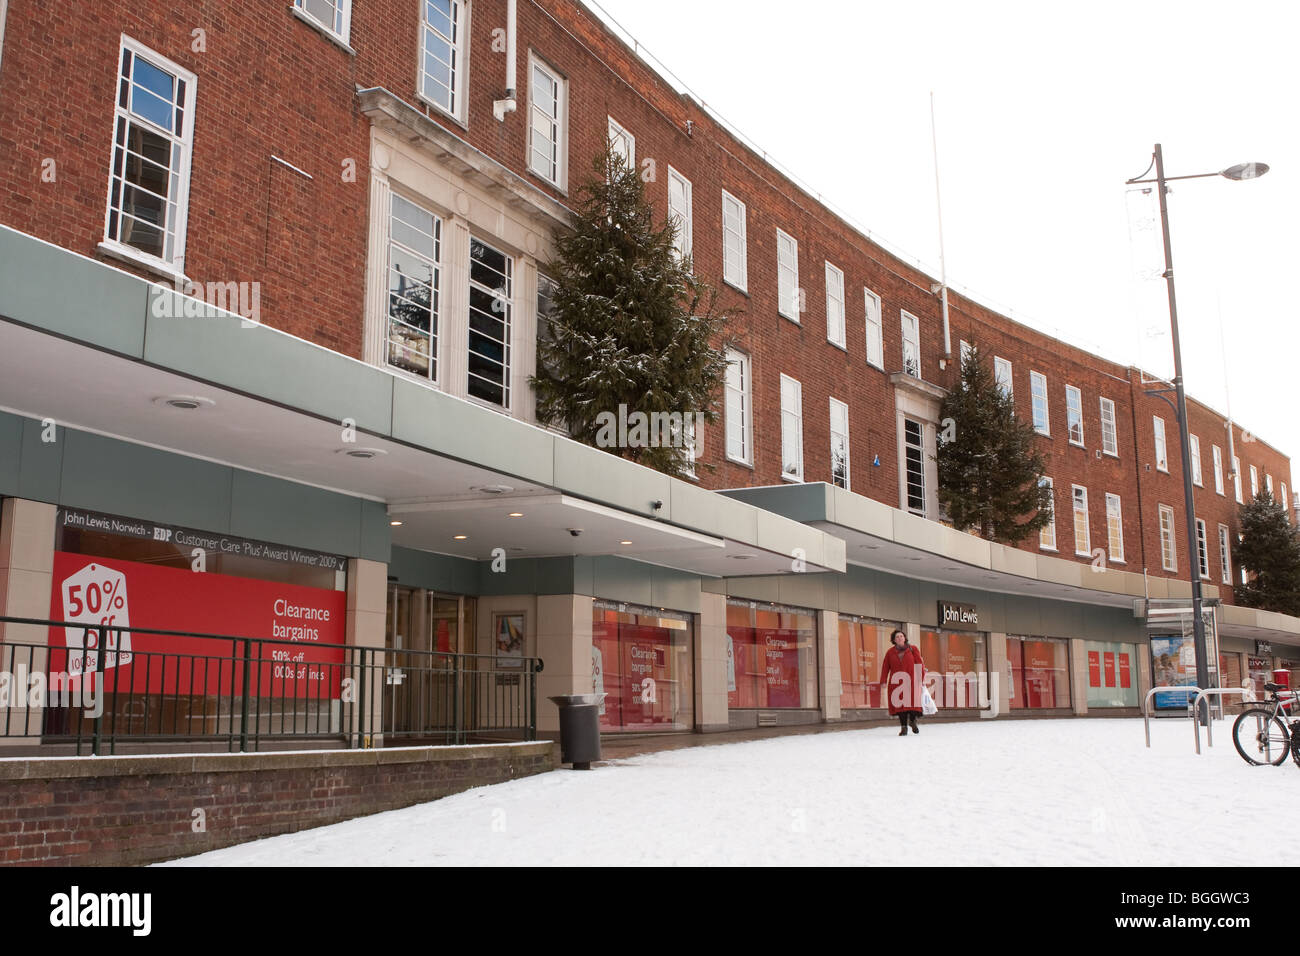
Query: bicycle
1263, 733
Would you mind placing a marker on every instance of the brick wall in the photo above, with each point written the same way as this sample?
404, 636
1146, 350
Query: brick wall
269, 84
116, 811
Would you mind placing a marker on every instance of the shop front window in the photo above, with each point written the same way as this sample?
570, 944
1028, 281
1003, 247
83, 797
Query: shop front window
641, 659
1040, 673
1112, 674
863, 644
771, 656
955, 662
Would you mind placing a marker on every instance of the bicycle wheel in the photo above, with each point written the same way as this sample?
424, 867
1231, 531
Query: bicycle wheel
1260, 737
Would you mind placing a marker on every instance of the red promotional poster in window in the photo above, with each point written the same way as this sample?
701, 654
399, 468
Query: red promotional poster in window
1094, 669
782, 668
307, 624
1110, 668
1124, 676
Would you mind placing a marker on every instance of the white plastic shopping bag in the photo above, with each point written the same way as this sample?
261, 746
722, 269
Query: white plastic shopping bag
928, 707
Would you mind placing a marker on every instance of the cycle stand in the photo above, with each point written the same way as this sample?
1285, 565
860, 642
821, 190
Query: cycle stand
1192, 707
1209, 726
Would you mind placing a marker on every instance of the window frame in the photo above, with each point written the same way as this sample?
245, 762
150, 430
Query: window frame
924, 511
1086, 550
1254, 482
843, 406
1043, 532
560, 123
1111, 448
1202, 549
437, 360
1194, 449
340, 36
175, 266
616, 131
685, 241
1036, 379
868, 299
1217, 457
787, 246
1161, 443
1225, 555
1168, 538
843, 341
914, 339
458, 91
1115, 531
1071, 409
1010, 387
746, 392
794, 440
1236, 479
742, 236
508, 350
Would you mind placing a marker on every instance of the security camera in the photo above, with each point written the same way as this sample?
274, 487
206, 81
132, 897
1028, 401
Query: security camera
575, 531
656, 505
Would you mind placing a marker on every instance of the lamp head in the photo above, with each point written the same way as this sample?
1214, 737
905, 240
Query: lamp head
1245, 171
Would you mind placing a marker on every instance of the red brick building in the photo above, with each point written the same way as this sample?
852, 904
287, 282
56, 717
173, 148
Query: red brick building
363, 175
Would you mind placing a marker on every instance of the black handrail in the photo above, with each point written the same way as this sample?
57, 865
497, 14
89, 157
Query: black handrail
258, 690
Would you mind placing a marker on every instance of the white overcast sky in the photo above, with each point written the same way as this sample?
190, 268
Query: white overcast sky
1043, 110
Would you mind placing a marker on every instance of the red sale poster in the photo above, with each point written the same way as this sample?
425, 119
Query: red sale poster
304, 628
1110, 668
1124, 675
1094, 669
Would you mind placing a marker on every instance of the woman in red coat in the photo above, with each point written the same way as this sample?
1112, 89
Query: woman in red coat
903, 679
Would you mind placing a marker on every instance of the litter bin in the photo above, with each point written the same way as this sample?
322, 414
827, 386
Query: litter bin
579, 728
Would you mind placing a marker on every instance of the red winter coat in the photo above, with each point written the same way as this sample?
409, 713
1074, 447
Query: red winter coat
903, 678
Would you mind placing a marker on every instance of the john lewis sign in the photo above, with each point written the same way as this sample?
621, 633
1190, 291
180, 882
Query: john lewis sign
958, 615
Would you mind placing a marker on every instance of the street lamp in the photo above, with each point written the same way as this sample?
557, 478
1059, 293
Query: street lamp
1240, 172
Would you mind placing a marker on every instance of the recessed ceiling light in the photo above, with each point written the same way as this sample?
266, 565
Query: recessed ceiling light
740, 557
460, 537
361, 453
516, 514
625, 542
184, 403
492, 489
395, 524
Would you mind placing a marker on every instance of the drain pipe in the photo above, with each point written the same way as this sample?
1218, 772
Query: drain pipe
508, 105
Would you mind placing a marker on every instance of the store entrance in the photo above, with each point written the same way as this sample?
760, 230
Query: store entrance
425, 687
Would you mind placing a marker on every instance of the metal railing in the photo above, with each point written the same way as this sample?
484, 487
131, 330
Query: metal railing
1193, 707
95, 687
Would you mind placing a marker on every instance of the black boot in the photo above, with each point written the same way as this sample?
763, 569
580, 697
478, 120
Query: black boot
902, 723
911, 716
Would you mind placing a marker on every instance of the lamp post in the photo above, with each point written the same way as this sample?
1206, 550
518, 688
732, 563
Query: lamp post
1239, 172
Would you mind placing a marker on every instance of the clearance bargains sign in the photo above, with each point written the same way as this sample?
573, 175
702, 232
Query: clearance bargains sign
93, 591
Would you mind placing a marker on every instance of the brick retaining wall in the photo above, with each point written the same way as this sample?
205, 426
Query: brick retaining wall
141, 809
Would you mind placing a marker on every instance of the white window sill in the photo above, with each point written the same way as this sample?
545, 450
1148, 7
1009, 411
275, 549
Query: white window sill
1083, 554
442, 111
1077, 444
842, 348
1045, 434
323, 30
739, 288
741, 462
543, 178
1110, 454
871, 364
1163, 471
792, 478
1043, 547
1118, 561
789, 318
135, 257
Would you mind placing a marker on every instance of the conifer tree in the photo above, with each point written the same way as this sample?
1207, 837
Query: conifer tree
989, 465
1270, 550
630, 325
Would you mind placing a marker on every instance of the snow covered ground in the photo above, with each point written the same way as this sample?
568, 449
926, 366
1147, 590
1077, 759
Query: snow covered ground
1034, 792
